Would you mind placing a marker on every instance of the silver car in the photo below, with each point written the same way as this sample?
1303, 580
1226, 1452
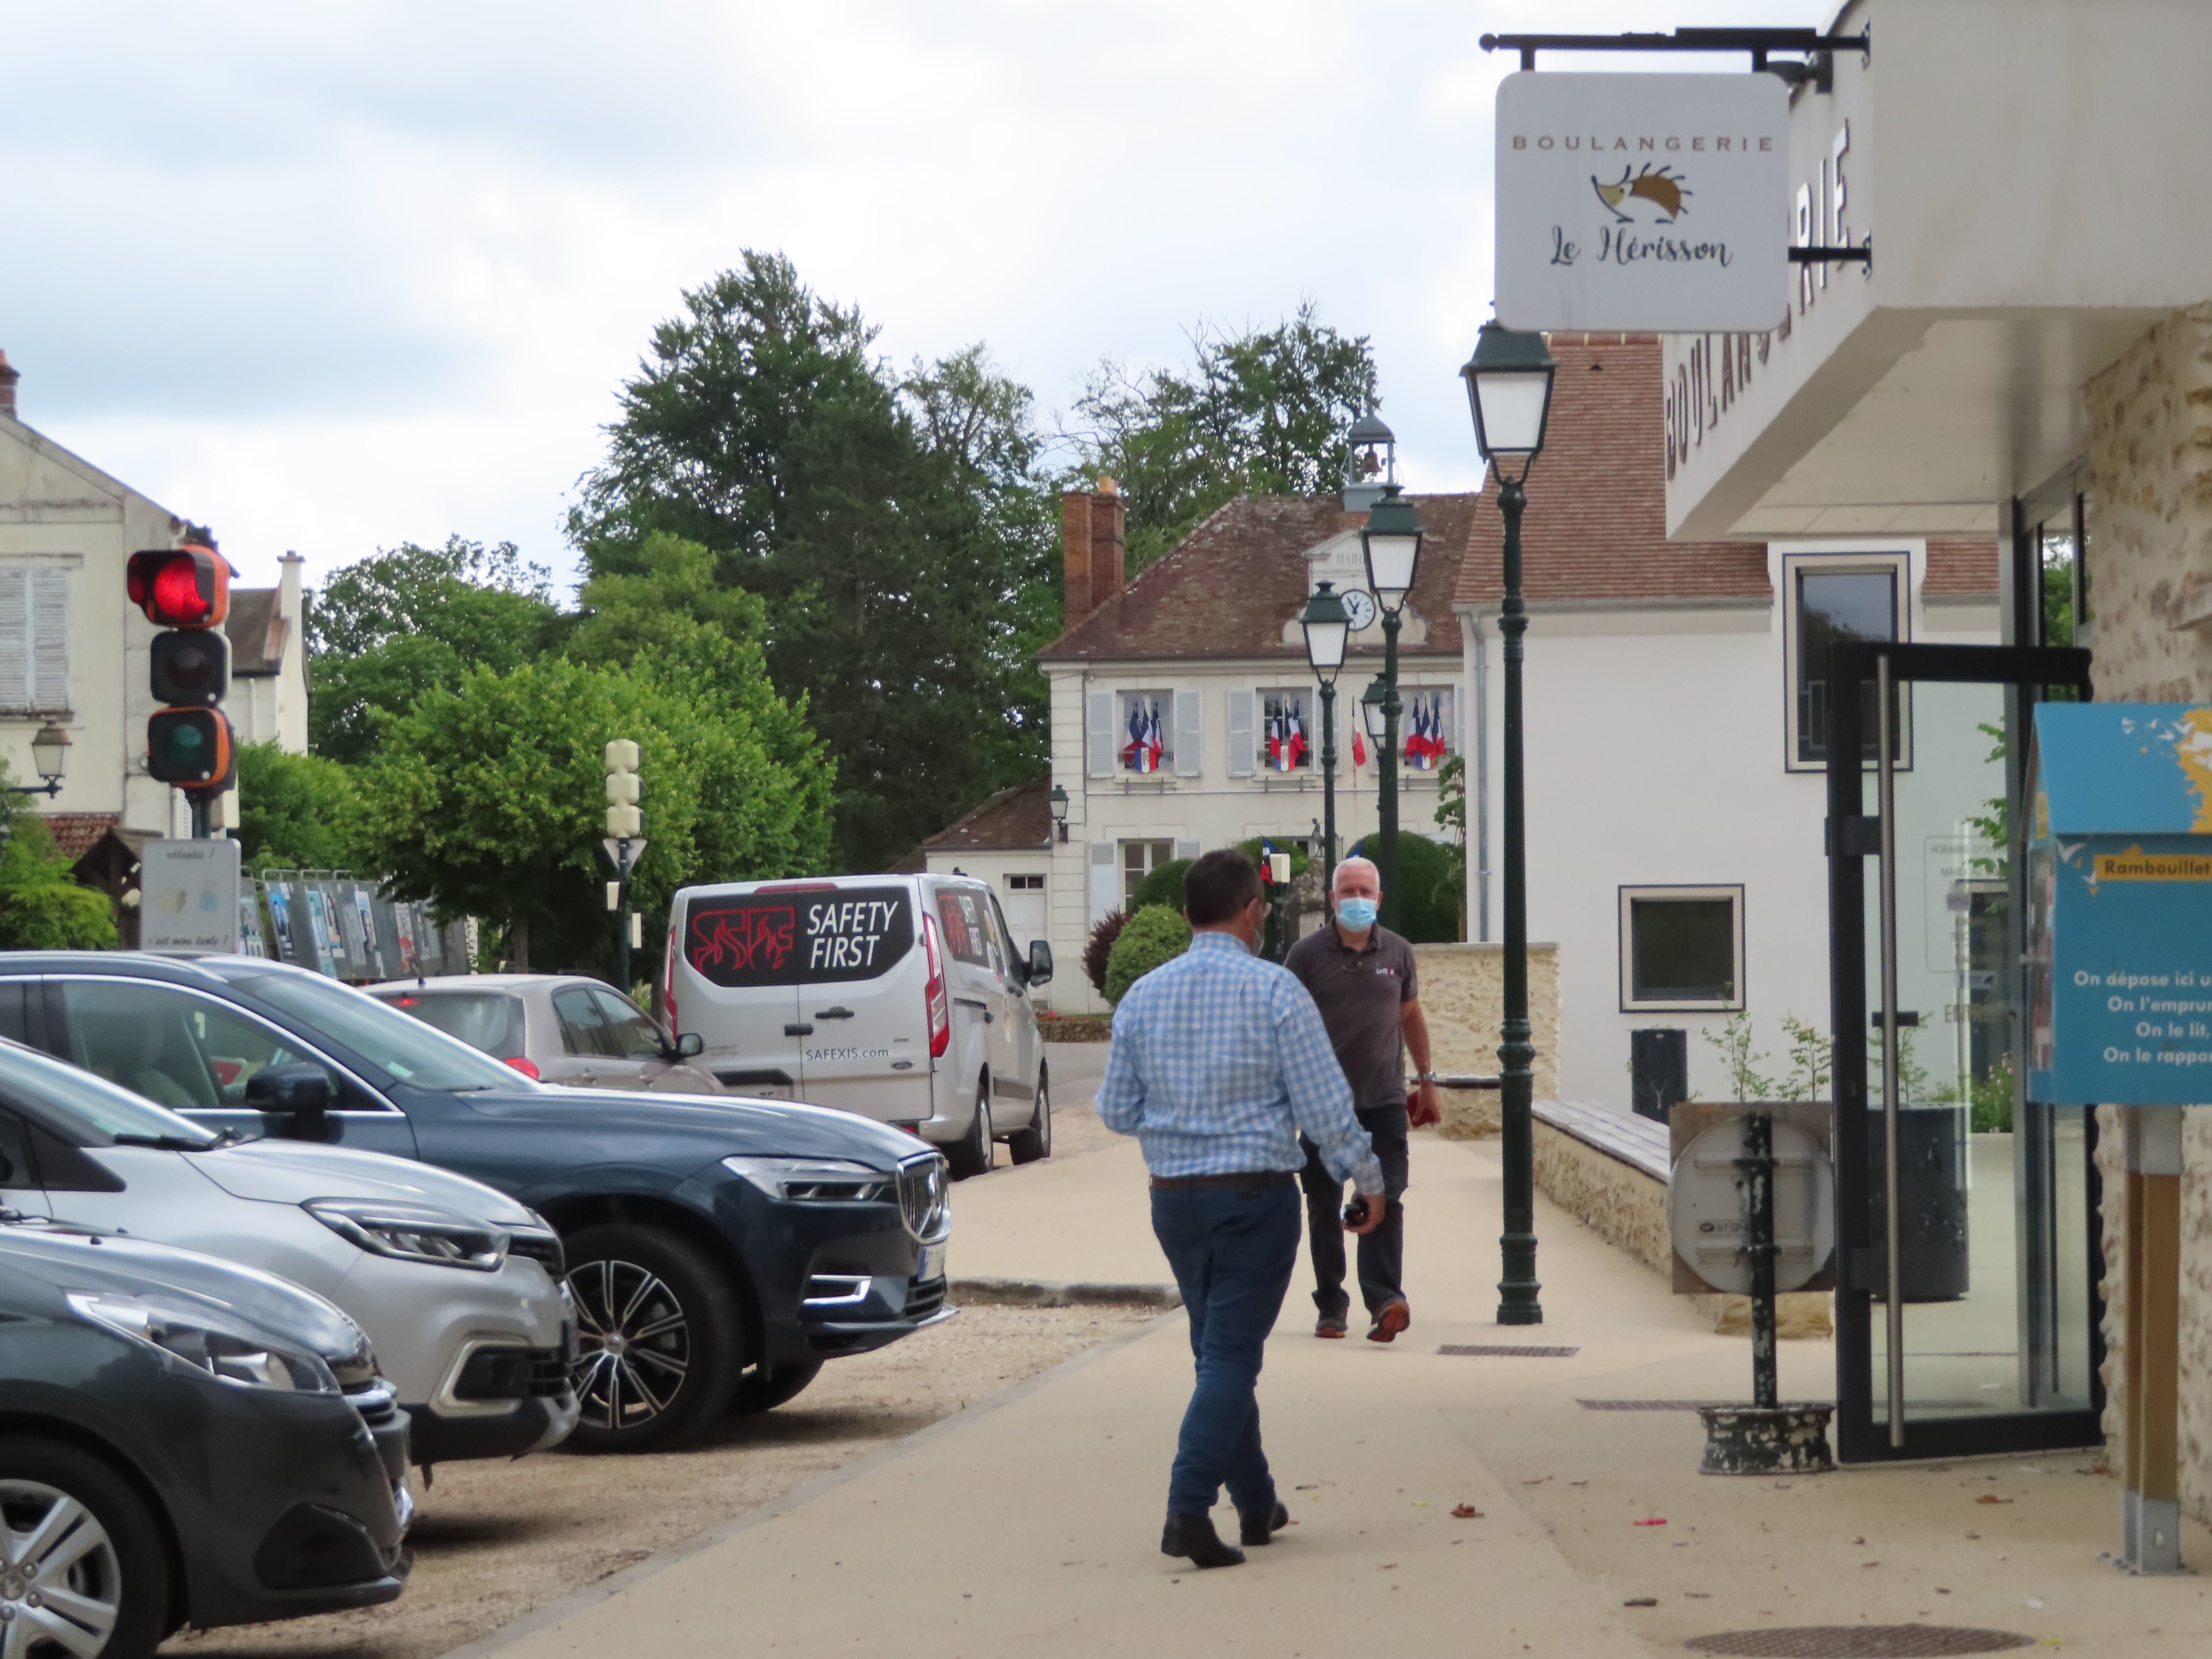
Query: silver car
557, 1028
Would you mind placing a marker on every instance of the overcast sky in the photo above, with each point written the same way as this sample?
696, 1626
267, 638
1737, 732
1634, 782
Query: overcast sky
335, 277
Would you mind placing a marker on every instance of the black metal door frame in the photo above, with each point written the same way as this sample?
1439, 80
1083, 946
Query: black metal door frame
2026, 671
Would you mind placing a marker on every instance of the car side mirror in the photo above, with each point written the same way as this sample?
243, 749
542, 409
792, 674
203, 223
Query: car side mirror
300, 1090
687, 1045
1040, 968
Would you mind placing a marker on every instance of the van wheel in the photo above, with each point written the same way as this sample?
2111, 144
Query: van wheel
977, 1151
93, 1541
1029, 1145
767, 1386
658, 1351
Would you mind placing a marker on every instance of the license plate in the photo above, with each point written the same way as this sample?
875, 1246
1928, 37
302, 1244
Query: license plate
933, 1263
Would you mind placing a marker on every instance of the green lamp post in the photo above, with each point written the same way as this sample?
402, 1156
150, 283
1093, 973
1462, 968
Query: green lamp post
1390, 541
1328, 630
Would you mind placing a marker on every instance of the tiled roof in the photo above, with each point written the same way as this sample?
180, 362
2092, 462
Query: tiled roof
256, 630
1020, 817
1227, 589
1962, 570
1595, 526
75, 833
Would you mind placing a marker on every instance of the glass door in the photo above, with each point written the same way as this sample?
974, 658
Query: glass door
1968, 1323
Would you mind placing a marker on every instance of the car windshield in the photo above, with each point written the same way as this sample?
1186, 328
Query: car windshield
406, 1048
87, 1109
479, 1019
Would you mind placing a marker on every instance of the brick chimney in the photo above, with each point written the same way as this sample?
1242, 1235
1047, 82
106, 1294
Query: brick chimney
8, 376
1090, 543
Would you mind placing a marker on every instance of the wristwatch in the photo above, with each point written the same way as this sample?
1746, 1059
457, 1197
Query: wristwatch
1424, 1077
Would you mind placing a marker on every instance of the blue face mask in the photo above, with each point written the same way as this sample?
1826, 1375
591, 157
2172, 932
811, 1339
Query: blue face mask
1356, 914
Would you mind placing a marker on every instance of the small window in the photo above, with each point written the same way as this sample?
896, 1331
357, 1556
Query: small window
1139, 859
1424, 729
583, 1029
1681, 948
1834, 598
1147, 734
1025, 883
34, 625
1286, 737
967, 929
635, 1037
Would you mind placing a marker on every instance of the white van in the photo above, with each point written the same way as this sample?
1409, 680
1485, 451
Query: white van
899, 998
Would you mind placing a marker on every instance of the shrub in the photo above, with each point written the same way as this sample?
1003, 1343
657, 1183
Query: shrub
1154, 934
1163, 886
1101, 946
1429, 903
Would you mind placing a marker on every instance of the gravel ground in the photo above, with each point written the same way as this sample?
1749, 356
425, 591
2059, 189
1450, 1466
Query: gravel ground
496, 1540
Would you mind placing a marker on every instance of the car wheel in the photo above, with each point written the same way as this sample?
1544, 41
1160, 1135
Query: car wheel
1029, 1145
767, 1386
658, 1344
977, 1151
87, 1572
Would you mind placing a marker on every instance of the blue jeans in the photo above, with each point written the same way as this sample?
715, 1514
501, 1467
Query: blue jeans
1233, 1250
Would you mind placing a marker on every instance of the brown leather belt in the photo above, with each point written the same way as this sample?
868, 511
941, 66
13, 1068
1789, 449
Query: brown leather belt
1247, 1179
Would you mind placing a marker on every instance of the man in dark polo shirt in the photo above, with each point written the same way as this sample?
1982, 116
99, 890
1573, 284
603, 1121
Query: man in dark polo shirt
1361, 976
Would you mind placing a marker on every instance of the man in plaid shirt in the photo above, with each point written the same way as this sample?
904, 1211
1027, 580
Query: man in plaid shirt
1219, 1061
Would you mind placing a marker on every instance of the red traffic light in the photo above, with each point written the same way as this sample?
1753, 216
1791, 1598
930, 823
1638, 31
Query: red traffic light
190, 748
180, 587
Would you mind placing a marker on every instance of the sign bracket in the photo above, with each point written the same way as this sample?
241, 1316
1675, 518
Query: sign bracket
1819, 48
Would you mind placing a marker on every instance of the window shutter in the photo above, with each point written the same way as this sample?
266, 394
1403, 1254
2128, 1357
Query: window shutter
1098, 735
1189, 734
1105, 887
1241, 746
1189, 850
14, 638
50, 641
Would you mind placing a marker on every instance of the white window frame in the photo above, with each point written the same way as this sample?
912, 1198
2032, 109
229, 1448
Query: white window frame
1309, 698
1128, 887
1894, 562
1630, 1003
1163, 699
1405, 695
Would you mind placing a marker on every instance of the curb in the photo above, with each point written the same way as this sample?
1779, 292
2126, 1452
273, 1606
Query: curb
1038, 1293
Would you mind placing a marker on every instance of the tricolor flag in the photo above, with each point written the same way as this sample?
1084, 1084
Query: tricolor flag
1142, 752
1295, 744
1358, 747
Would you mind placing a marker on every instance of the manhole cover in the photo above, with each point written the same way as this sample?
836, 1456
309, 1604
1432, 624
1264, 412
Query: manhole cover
1491, 1350
1859, 1641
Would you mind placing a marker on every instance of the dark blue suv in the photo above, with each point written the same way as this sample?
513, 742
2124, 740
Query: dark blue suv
718, 1250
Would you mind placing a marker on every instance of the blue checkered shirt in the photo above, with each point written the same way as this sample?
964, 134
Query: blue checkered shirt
1219, 1058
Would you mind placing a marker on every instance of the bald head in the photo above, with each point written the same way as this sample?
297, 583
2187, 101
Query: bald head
1356, 878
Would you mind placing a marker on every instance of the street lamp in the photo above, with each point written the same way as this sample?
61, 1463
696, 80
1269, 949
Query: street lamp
1390, 542
50, 748
1328, 630
1509, 391
1058, 799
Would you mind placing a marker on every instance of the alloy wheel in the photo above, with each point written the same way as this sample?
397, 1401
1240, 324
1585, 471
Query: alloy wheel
633, 1344
61, 1582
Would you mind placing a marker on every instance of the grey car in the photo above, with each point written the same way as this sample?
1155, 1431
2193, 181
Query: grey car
558, 1028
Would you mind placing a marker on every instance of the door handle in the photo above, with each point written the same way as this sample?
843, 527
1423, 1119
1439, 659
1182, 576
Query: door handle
799, 1028
833, 1013
1890, 1019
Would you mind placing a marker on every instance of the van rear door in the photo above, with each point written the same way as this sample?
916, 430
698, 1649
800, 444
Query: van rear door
864, 979
737, 984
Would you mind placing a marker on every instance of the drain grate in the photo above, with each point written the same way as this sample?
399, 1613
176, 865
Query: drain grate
1859, 1641
1489, 1351
1654, 1405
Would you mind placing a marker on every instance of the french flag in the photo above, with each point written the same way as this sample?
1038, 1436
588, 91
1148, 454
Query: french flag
1142, 752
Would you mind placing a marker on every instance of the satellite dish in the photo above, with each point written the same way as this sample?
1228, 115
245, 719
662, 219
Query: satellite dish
1704, 1208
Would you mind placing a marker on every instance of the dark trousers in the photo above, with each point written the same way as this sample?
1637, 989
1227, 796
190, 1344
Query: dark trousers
1233, 1250
1382, 1252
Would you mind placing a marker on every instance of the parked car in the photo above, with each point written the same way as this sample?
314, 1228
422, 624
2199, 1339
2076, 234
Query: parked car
182, 1439
557, 1028
459, 1286
898, 997
719, 1250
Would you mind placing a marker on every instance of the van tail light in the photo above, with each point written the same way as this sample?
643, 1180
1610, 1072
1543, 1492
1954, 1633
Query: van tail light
524, 1064
668, 976
934, 997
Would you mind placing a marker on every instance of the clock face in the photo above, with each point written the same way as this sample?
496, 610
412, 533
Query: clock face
1359, 606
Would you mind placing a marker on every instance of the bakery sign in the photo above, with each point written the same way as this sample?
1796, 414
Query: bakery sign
1643, 202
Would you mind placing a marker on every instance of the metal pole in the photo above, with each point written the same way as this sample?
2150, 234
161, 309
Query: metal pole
622, 875
202, 812
1329, 781
1885, 779
1757, 1166
1517, 1290
1480, 811
1386, 774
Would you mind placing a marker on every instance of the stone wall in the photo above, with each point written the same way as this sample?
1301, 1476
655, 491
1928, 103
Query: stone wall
2150, 548
1464, 996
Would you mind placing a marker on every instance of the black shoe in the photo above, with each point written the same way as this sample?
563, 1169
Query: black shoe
1254, 1528
1193, 1536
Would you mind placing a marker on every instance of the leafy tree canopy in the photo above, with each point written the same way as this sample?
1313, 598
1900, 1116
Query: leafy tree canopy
1264, 411
383, 631
895, 528
297, 811
42, 906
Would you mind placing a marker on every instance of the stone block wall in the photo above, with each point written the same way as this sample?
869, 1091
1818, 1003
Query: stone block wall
1463, 995
2150, 548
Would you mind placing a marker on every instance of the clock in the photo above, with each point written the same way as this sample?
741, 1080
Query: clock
1359, 606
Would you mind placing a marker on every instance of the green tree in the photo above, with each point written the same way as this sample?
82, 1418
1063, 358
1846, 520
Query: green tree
42, 906
297, 811
1154, 934
383, 631
1263, 411
894, 528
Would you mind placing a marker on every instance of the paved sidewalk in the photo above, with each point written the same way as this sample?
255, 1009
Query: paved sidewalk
1031, 1524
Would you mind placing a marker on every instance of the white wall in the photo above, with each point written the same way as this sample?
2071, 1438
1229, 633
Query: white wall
1655, 744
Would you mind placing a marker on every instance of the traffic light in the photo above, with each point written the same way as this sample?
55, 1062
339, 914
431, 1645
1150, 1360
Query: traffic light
185, 590
625, 821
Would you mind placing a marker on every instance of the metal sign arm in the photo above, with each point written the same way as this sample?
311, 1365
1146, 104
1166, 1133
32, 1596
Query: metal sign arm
1758, 42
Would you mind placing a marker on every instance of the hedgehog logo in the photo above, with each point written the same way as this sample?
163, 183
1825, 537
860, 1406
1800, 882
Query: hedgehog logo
1659, 187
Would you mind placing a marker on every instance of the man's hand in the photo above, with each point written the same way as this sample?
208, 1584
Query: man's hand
1378, 1206
1428, 1108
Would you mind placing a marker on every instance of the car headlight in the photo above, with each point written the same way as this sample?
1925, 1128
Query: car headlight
413, 1232
814, 1180
201, 1338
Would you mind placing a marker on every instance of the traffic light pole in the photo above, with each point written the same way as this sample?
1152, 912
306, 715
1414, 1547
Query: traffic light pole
202, 812
621, 920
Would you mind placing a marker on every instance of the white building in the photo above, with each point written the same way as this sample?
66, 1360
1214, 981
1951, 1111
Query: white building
1673, 726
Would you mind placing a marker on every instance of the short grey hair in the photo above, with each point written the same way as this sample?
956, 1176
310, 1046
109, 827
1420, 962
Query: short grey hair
1355, 862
